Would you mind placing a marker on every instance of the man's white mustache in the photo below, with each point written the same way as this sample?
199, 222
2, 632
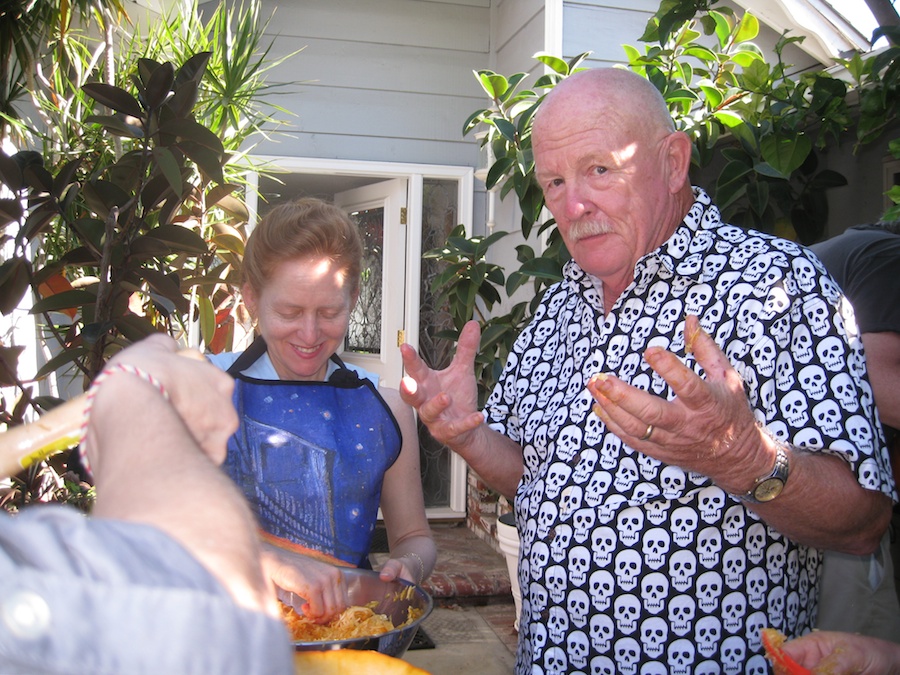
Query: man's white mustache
581, 229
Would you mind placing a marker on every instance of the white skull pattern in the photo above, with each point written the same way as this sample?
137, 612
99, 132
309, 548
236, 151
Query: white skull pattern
630, 521
571, 500
545, 518
627, 653
732, 653
555, 660
577, 648
757, 585
827, 415
712, 500
734, 563
668, 315
709, 544
682, 609
629, 314
578, 604
583, 521
812, 379
793, 407
845, 391
707, 633
628, 567
655, 546
682, 566
627, 474
654, 632
655, 590
601, 587
831, 352
684, 524
709, 590
641, 332
555, 578
557, 475
579, 564
601, 629
557, 623
603, 544
697, 298
626, 611
681, 656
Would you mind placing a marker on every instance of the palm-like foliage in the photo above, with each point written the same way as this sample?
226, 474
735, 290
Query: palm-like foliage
28, 29
125, 214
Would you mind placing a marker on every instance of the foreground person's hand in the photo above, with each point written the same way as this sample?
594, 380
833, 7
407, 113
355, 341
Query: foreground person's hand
199, 392
317, 582
838, 653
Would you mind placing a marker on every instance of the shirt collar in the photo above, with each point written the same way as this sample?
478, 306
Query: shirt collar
680, 254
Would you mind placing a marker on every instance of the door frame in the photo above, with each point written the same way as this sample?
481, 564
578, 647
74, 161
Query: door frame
415, 174
391, 196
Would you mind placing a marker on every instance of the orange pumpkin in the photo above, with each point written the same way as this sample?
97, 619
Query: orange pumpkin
352, 662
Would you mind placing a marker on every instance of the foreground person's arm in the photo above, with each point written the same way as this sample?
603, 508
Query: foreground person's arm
151, 467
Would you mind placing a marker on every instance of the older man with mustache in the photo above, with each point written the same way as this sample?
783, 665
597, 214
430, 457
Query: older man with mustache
674, 478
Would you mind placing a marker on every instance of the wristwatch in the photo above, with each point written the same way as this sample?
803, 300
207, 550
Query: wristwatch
770, 486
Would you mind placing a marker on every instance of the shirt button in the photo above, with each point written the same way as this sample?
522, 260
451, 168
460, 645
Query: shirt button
26, 614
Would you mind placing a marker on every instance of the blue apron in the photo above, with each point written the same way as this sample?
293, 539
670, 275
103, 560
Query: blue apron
311, 456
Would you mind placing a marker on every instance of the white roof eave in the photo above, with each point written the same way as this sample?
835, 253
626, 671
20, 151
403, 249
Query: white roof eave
156, 7
828, 34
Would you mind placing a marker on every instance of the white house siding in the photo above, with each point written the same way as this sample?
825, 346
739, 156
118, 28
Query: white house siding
517, 34
603, 27
385, 80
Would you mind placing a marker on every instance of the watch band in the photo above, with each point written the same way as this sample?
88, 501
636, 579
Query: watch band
768, 487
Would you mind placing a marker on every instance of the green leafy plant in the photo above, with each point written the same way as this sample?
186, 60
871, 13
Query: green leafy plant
127, 216
766, 128
27, 29
507, 123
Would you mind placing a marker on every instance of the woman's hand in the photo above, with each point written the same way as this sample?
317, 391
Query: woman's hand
405, 567
320, 584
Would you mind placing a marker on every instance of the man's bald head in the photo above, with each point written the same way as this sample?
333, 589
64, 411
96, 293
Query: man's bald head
603, 96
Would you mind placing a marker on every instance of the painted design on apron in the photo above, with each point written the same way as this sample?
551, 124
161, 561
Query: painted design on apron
311, 456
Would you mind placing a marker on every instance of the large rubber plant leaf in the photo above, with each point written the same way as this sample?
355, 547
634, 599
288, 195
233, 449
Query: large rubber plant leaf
114, 98
13, 283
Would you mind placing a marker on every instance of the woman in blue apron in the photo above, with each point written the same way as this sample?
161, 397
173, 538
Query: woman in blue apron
320, 446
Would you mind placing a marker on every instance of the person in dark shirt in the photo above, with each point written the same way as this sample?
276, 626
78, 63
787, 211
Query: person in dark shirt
858, 593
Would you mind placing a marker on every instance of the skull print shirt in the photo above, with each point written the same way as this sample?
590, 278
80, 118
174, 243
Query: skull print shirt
629, 565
